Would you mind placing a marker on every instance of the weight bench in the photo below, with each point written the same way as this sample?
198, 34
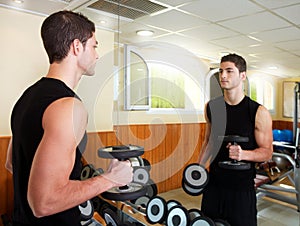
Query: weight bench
265, 186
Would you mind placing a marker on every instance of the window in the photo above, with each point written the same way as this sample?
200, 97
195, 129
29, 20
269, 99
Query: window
155, 84
262, 91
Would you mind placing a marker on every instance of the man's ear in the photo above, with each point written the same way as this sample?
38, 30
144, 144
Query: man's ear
243, 75
76, 46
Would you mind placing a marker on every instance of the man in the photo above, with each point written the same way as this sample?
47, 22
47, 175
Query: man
48, 126
230, 193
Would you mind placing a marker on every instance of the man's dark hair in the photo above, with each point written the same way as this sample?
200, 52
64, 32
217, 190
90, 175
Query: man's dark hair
239, 61
60, 29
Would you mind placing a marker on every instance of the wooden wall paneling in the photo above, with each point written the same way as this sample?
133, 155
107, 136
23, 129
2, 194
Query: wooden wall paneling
158, 133
147, 143
282, 125
111, 139
176, 148
6, 184
169, 169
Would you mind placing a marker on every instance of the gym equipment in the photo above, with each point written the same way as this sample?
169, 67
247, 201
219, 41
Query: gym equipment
122, 152
86, 210
140, 175
147, 164
151, 188
142, 201
87, 171
195, 178
292, 174
234, 164
110, 217
220, 222
156, 210
202, 221
171, 203
177, 216
193, 213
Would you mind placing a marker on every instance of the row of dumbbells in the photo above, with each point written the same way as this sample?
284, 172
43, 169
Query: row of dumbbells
172, 213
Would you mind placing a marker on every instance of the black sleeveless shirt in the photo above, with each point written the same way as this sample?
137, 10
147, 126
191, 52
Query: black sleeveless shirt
231, 120
27, 132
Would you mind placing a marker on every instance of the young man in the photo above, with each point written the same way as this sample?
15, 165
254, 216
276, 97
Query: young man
48, 126
230, 193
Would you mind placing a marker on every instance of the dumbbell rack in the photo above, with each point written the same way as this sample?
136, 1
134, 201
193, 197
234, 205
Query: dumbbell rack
132, 211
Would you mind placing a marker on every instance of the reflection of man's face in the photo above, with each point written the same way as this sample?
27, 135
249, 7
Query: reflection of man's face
229, 75
90, 56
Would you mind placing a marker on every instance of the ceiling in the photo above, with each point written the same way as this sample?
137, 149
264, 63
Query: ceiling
265, 32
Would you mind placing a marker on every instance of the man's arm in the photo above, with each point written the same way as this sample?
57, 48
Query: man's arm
8, 163
205, 155
49, 189
264, 139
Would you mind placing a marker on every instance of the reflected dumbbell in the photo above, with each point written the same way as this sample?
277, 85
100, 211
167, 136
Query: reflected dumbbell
234, 164
156, 210
123, 152
86, 211
195, 178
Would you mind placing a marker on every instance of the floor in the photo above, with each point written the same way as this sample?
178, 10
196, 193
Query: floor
270, 212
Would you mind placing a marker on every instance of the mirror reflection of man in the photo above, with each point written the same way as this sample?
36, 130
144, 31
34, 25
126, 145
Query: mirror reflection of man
230, 194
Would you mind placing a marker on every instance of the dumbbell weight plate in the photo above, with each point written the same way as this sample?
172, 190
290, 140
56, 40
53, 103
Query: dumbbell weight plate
191, 191
193, 213
177, 216
147, 164
142, 201
171, 203
151, 188
136, 161
86, 210
233, 139
220, 222
195, 176
129, 192
120, 151
98, 172
140, 175
87, 172
111, 218
156, 210
235, 165
202, 221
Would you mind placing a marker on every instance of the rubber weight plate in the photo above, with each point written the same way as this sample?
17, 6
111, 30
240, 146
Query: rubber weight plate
195, 176
220, 222
111, 218
142, 201
191, 191
171, 203
129, 192
86, 210
140, 175
202, 221
235, 165
151, 188
177, 216
156, 210
120, 151
87, 172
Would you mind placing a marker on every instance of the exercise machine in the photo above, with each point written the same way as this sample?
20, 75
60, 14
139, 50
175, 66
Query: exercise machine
293, 174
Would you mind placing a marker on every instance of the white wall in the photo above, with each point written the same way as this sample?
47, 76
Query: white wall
23, 61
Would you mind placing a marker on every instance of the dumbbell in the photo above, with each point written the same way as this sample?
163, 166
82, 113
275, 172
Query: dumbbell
86, 211
156, 210
234, 164
89, 171
195, 178
170, 213
123, 152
